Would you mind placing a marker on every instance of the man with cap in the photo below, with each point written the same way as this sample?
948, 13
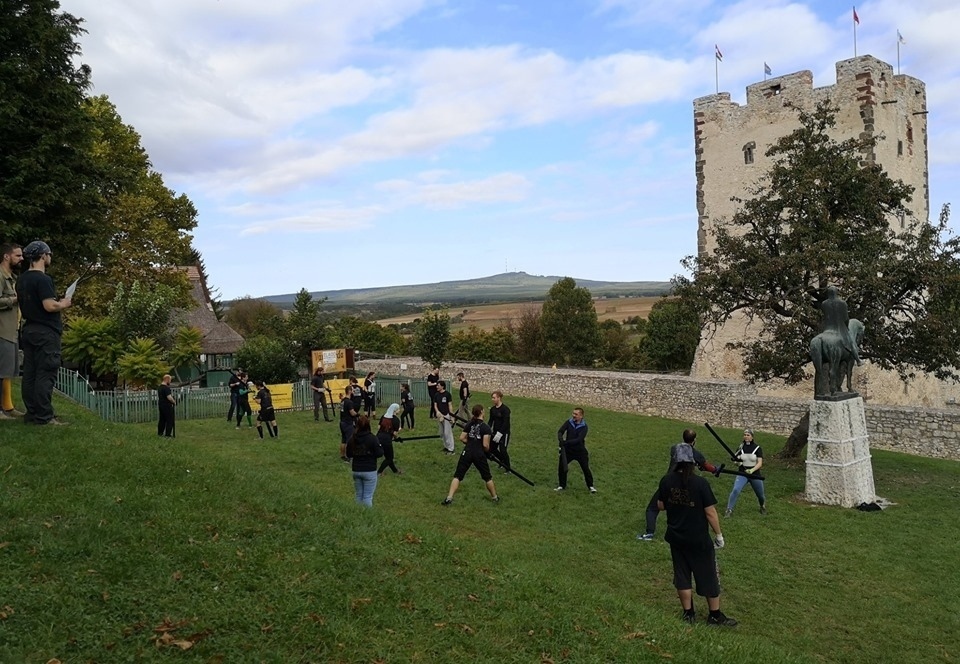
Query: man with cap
689, 439
691, 508
40, 334
11, 256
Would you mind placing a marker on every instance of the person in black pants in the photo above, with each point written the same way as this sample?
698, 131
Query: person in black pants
234, 383
653, 511
464, 408
499, 423
406, 403
389, 426
691, 508
166, 403
266, 414
319, 389
243, 401
370, 394
433, 380
40, 331
348, 422
476, 439
572, 438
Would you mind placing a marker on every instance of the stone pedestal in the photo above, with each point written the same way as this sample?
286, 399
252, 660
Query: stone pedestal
839, 471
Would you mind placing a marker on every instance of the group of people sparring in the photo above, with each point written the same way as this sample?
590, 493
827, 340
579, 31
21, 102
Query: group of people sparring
241, 387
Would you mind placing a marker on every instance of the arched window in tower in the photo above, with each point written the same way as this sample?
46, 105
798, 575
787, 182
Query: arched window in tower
748, 152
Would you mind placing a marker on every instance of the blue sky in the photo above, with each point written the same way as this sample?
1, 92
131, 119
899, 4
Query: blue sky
371, 143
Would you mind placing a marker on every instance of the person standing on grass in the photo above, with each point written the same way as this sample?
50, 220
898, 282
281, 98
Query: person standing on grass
406, 403
476, 439
166, 403
433, 380
441, 409
572, 437
234, 382
348, 422
499, 424
464, 409
266, 414
243, 401
691, 509
319, 389
356, 394
370, 394
653, 511
751, 460
11, 255
389, 426
40, 334
364, 449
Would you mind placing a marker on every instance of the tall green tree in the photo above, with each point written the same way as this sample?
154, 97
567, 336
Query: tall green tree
571, 333
670, 335
432, 336
304, 327
144, 311
254, 317
50, 189
820, 217
268, 359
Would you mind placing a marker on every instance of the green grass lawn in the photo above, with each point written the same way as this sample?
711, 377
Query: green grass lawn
117, 546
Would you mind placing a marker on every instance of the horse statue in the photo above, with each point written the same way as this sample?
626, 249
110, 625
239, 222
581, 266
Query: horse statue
833, 361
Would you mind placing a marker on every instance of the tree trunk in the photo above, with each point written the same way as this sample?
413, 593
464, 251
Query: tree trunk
797, 440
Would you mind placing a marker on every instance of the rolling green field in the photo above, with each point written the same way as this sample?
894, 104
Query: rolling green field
117, 546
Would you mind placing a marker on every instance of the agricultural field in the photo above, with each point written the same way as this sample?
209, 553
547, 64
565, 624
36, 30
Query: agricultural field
488, 316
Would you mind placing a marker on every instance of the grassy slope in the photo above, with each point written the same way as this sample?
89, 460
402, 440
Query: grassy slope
256, 551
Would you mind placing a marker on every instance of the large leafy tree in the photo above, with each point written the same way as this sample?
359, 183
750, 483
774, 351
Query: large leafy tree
253, 317
571, 333
821, 217
304, 327
670, 335
432, 336
49, 187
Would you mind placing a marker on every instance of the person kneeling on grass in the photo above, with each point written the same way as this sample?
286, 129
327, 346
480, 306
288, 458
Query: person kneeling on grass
364, 449
691, 507
476, 440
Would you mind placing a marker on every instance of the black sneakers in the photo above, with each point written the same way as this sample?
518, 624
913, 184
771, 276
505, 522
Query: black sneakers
688, 617
447, 501
720, 620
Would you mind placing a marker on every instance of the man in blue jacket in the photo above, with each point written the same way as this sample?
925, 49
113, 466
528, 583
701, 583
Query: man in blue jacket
572, 439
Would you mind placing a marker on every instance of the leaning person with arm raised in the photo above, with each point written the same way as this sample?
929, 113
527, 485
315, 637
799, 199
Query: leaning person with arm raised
476, 439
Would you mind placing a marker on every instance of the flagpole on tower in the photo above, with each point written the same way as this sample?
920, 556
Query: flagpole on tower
716, 66
900, 40
856, 22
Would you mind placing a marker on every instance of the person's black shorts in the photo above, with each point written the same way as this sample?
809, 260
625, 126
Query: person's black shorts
478, 460
266, 415
701, 565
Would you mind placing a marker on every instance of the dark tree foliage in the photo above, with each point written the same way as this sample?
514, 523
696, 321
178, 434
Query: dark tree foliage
304, 328
670, 335
254, 317
822, 216
571, 333
50, 189
268, 359
432, 336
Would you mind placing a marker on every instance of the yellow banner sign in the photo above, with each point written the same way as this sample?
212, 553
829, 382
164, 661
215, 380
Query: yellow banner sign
332, 361
282, 396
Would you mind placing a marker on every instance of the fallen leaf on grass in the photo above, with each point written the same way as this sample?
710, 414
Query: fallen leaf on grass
410, 538
4, 545
439, 625
266, 629
6, 612
317, 618
635, 635
472, 598
177, 576
468, 629
54, 661
357, 602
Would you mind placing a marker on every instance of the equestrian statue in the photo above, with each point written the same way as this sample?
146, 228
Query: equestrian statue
836, 349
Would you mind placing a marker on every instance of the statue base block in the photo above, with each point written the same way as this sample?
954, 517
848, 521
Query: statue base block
839, 471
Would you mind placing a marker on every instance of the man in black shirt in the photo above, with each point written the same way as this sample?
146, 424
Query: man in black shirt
40, 334
433, 379
234, 383
319, 389
464, 408
167, 423
499, 423
691, 507
441, 409
476, 438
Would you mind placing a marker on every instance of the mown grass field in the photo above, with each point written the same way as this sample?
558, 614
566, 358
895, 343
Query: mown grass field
488, 316
117, 546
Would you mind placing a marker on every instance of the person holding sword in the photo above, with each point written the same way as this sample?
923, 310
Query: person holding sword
750, 459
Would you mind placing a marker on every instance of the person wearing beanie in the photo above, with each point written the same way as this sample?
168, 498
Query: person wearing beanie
40, 333
691, 514
750, 458
11, 255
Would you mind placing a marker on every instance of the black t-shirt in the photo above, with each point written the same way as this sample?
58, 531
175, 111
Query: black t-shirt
163, 392
265, 399
33, 287
317, 381
476, 430
442, 399
345, 407
364, 450
234, 383
464, 390
406, 400
500, 419
356, 393
686, 521
434, 379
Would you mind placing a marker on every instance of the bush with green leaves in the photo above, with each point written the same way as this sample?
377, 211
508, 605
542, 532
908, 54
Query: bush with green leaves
143, 363
432, 336
268, 359
186, 349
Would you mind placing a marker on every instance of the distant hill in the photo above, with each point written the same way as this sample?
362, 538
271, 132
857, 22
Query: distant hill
506, 287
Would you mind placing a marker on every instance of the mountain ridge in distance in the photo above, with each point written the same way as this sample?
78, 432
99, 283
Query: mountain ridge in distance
505, 286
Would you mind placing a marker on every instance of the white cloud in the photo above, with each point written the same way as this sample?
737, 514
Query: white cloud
499, 188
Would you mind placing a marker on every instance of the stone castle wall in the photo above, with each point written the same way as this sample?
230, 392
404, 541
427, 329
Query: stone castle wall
919, 431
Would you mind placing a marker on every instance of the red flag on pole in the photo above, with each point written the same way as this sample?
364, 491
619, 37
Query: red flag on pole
856, 19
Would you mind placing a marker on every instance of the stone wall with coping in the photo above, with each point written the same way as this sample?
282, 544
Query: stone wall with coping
920, 431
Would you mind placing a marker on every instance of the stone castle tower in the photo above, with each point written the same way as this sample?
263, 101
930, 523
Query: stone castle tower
731, 141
